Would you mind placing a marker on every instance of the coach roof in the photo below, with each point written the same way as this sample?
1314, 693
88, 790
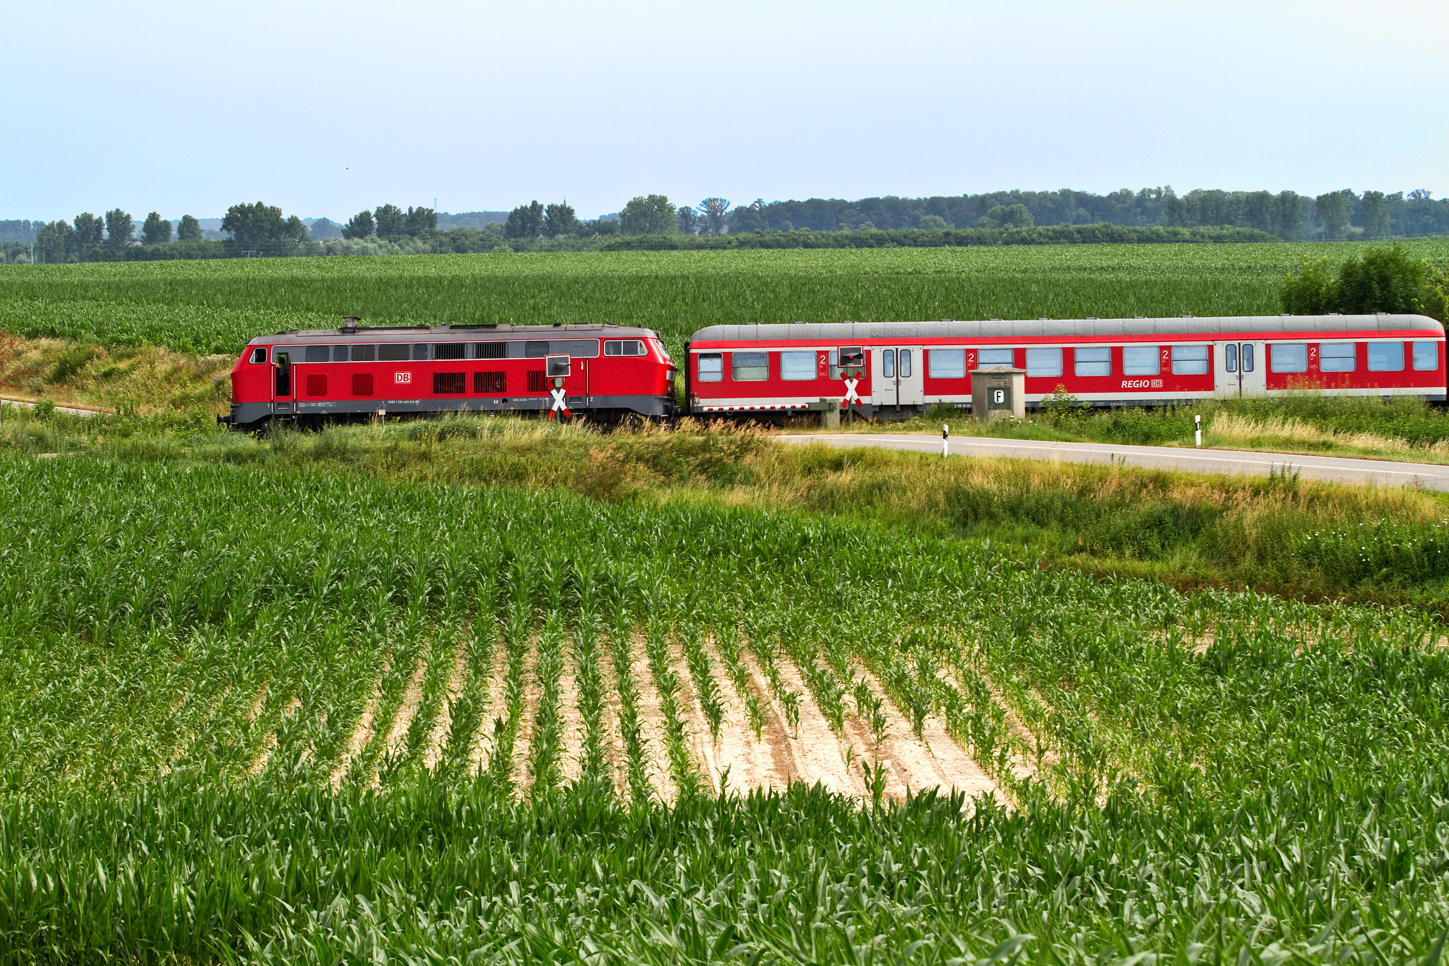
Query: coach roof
455, 333
844, 333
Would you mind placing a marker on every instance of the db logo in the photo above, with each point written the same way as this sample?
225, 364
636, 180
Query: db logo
402, 377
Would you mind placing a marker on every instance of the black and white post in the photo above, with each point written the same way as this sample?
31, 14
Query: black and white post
945, 439
1198, 433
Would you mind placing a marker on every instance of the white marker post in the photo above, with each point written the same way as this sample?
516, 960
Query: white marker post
945, 439
1198, 434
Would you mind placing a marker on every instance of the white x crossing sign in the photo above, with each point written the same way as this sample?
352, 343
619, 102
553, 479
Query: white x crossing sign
559, 404
851, 396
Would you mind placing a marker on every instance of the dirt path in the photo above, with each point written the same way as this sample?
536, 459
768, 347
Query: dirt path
651, 722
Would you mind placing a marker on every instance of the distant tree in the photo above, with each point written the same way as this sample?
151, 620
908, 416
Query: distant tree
392, 224
750, 217
1333, 215
55, 242
1002, 216
560, 220
261, 228
1375, 215
324, 228
421, 222
359, 226
1288, 216
1258, 210
712, 212
525, 221
932, 223
88, 230
120, 226
648, 215
189, 229
689, 222
1174, 211
156, 230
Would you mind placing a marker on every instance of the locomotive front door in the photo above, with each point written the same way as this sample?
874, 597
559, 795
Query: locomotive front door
1239, 370
282, 388
897, 378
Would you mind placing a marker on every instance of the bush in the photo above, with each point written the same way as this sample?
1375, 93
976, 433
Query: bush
1377, 280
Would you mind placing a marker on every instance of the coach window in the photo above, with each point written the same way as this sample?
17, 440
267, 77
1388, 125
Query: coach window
1043, 362
259, 355
797, 366
339, 353
996, 357
364, 353
1426, 356
317, 353
711, 367
1386, 357
394, 351
1092, 361
1288, 357
946, 363
749, 366
1141, 360
1189, 360
1337, 357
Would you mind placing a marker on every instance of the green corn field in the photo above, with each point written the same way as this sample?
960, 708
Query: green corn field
253, 715
217, 306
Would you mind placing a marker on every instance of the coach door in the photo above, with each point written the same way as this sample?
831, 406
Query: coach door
1239, 369
896, 378
283, 380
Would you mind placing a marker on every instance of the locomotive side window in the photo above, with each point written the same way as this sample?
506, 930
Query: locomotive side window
318, 353
711, 367
1141, 360
578, 348
1337, 357
364, 353
1189, 360
946, 363
1092, 361
485, 382
997, 357
624, 347
450, 350
1043, 362
394, 351
797, 366
1426, 356
749, 366
420, 351
259, 355
490, 350
449, 382
339, 353
1288, 357
1386, 357
536, 349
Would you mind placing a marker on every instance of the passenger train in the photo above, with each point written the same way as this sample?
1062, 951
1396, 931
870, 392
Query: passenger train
893, 369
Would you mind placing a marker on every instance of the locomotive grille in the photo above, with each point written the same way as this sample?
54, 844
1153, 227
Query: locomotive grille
449, 382
484, 382
536, 381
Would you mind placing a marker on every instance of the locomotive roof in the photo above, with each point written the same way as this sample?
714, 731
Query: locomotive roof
467, 333
847, 332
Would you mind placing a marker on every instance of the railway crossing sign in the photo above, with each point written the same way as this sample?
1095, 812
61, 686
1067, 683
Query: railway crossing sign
558, 368
559, 403
851, 396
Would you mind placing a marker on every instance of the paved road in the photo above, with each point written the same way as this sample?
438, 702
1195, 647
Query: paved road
6, 400
1244, 462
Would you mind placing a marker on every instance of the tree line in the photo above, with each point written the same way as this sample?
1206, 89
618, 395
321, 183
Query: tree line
1006, 217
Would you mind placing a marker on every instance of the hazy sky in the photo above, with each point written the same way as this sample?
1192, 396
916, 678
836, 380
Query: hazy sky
324, 108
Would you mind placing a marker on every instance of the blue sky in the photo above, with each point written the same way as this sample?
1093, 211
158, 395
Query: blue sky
326, 107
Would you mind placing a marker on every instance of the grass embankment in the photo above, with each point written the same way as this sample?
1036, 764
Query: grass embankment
141, 379
1304, 539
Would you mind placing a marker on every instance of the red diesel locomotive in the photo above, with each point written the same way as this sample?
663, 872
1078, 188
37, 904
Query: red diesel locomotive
604, 371
909, 366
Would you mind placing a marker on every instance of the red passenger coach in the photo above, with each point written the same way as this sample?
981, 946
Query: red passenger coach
910, 366
604, 371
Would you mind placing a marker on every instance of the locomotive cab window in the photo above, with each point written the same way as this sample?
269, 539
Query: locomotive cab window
1337, 357
1288, 357
1426, 356
259, 355
1141, 360
1386, 357
624, 347
797, 366
749, 366
1092, 361
711, 367
1189, 360
1043, 362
